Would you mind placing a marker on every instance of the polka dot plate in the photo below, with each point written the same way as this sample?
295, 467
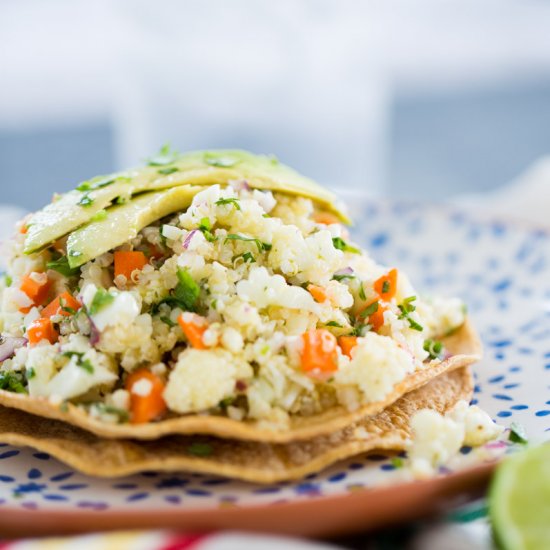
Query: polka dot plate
501, 270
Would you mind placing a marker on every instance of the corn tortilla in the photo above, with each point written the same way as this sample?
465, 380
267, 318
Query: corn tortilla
249, 461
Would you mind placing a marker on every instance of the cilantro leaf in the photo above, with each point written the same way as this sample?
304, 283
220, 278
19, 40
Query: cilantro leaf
98, 184
342, 245
101, 299
371, 309
187, 291
12, 381
261, 245
406, 309
61, 265
433, 347
205, 227
342, 277
85, 201
231, 201
219, 161
518, 434
168, 171
165, 156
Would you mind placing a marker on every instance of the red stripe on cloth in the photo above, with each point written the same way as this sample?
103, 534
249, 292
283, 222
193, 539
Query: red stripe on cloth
183, 542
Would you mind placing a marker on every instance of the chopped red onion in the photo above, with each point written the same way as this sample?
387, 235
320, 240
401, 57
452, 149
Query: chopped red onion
240, 185
187, 240
8, 345
345, 271
94, 333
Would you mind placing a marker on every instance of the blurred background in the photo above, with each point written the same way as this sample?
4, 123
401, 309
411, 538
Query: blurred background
401, 98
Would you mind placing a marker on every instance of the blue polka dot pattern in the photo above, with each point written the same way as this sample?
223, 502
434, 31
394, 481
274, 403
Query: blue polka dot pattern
501, 270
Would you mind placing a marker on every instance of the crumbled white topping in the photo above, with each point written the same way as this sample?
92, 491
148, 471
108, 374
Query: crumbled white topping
437, 438
142, 387
378, 364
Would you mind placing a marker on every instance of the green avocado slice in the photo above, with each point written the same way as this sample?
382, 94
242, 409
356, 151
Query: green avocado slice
124, 222
78, 207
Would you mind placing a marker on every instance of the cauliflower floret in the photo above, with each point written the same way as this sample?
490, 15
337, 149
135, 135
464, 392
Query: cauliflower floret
478, 425
71, 373
263, 290
377, 365
122, 309
202, 378
442, 315
436, 439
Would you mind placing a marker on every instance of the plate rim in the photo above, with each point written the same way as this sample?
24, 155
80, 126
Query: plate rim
324, 516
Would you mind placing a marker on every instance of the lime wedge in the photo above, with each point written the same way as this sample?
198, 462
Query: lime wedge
519, 501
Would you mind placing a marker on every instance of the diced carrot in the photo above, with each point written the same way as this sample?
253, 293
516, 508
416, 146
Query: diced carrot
36, 287
146, 403
376, 319
386, 286
127, 261
23, 229
347, 343
318, 293
193, 326
319, 357
42, 329
64, 300
325, 217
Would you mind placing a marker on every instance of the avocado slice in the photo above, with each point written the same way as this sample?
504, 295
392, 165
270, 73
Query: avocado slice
78, 207
124, 222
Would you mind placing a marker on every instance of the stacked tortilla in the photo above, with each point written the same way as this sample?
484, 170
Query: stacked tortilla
242, 449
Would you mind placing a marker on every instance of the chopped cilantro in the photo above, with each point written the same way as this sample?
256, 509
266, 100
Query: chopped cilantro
342, 277
168, 321
261, 245
101, 299
362, 292
247, 257
12, 381
99, 215
397, 462
61, 265
185, 295
65, 308
98, 184
8, 279
200, 449
360, 329
385, 287
333, 324
232, 202
228, 401
31, 373
407, 308
163, 157
123, 415
206, 228
86, 200
187, 290
219, 161
121, 200
80, 362
371, 309
433, 347
518, 434
342, 245
168, 171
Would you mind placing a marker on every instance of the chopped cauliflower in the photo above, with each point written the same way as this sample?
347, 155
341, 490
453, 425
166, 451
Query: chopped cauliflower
377, 364
437, 438
202, 378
